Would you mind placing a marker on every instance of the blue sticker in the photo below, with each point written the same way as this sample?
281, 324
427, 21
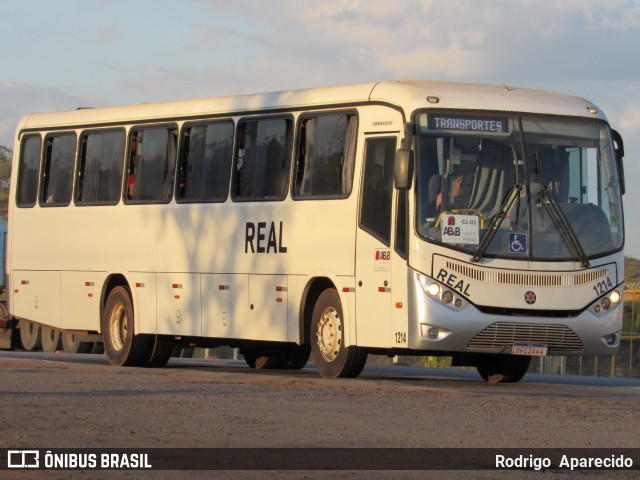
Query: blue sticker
517, 243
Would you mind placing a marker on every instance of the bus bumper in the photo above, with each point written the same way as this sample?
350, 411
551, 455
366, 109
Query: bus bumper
436, 326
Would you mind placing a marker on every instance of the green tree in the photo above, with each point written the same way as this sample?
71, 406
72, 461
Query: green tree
6, 154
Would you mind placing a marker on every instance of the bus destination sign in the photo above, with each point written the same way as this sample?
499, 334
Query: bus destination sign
468, 124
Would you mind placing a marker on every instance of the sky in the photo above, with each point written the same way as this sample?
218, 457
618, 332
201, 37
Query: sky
64, 54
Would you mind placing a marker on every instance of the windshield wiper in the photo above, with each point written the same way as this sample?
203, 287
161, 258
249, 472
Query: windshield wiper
510, 198
565, 228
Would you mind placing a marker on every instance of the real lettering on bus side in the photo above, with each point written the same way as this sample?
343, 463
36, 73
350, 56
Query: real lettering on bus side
262, 239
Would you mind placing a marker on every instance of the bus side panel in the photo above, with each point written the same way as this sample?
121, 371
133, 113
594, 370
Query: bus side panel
225, 305
80, 300
179, 306
37, 296
143, 290
268, 298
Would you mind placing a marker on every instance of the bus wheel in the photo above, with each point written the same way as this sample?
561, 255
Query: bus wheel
503, 368
121, 345
259, 361
162, 348
330, 355
71, 344
30, 335
297, 357
51, 340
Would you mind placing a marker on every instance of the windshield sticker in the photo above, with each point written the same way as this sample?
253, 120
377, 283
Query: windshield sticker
517, 243
463, 229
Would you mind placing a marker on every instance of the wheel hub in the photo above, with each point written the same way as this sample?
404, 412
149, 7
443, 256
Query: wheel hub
329, 334
118, 325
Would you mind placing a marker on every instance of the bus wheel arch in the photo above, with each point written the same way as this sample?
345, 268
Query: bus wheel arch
113, 281
312, 292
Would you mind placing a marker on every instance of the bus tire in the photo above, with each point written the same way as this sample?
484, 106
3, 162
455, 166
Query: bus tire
71, 344
51, 340
122, 347
261, 361
30, 335
161, 351
331, 357
297, 357
498, 368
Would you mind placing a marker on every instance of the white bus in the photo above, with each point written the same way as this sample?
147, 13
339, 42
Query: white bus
415, 217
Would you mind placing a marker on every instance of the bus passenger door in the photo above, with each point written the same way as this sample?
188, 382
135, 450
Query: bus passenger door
375, 254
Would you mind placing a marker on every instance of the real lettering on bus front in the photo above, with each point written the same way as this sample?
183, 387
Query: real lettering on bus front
451, 280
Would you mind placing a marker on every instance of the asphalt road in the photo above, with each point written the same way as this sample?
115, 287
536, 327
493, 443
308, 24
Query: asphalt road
54, 401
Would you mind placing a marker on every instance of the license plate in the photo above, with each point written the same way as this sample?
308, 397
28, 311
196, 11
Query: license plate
532, 350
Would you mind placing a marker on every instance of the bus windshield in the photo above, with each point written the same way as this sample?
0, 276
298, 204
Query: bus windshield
518, 187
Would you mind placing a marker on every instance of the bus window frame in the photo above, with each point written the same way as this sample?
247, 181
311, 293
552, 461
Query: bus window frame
82, 134
20, 172
43, 158
127, 162
362, 202
296, 152
289, 147
181, 147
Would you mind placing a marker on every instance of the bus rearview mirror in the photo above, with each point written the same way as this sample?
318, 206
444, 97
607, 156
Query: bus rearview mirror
403, 169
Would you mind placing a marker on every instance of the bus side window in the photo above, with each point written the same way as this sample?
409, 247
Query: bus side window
205, 162
377, 188
99, 176
57, 173
261, 169
28, 167
325, 156
151, 167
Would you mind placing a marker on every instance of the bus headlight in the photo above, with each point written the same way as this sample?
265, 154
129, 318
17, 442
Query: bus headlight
615, 296
433, 289
441, 294
447, 296
607, 302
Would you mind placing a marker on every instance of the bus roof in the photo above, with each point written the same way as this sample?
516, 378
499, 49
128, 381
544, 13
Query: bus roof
407, 95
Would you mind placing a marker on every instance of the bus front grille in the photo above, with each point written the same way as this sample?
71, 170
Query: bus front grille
503, 334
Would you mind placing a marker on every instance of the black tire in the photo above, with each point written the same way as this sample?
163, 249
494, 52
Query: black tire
332, 358
30, 335
121, 345
161, 350
297, 357
71, 344
503, 368
51, 340
263, 360
249, 356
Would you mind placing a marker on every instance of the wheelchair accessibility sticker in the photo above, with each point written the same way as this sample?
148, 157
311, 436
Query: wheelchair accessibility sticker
517, 243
